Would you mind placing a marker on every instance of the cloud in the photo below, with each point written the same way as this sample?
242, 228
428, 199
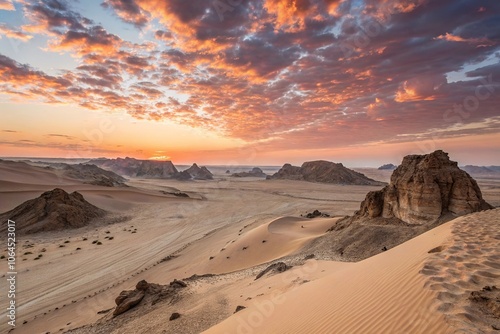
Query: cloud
10, 32
10, 131
128, 11
7, 5
275, 73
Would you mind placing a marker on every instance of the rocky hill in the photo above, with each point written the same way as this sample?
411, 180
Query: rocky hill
323, 171
255, 172
199, 173
92, 174
53, 210
138, 168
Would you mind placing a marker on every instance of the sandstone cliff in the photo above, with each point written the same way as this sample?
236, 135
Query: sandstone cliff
423, 189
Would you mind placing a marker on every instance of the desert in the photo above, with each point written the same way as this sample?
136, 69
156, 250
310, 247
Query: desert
246, 244
250, 167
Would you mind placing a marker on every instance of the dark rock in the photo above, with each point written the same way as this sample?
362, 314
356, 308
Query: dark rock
126, 300
239, 308
53, 210
278, 267
174, 316
178, 284
142, 285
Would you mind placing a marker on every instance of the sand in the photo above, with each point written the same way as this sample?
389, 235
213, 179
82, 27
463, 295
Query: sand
66, 287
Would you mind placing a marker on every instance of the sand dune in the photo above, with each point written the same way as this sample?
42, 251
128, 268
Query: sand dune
267, 242
383, 294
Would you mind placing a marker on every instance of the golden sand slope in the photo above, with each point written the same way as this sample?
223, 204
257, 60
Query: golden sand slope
383, 294
270, 241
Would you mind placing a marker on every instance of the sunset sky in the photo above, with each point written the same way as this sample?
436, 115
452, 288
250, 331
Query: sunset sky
363, 82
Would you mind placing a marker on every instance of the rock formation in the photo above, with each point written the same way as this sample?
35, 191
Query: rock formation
156, 169
199, 173
92, 174
323, 171
255, 172
479, 170
53, 210
423, 189
150, 292
130, 298
387, 167
138, 168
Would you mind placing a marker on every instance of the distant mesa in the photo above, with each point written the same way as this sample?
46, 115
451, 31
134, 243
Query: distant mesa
323, 171
151, 169
255, 172
387, 167
228, 171
199, 173
138, 168
53, 210
423, 190
93, 175
481, 170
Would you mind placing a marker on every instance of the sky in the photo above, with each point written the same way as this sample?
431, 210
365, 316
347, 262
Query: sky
256, 82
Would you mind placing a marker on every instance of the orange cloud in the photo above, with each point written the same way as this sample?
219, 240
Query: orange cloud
7, 5
14, 33
481, 42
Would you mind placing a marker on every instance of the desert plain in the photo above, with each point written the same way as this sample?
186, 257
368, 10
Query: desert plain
219, 236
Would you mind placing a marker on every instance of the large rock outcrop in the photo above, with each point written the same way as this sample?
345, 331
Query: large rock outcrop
323, 171
53, 210
423, 189
138, 168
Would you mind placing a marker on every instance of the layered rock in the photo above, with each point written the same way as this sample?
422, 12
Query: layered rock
53, 210
255, 172
199, 173
423, 189
323, 171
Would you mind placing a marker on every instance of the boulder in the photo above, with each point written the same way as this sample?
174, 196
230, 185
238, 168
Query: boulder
255, 172
128, 299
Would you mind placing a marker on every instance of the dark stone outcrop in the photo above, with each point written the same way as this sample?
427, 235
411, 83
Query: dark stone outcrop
325, 172
53, 210
277, 267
